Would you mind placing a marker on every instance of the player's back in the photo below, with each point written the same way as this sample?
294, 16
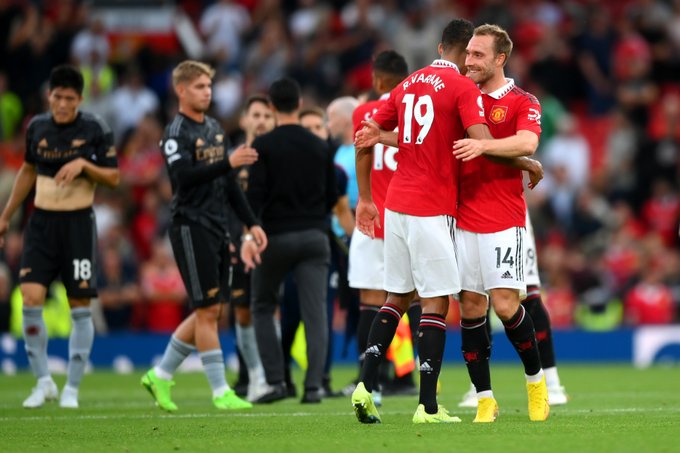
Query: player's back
432, 108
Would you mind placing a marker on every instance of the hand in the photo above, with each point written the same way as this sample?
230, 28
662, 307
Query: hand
468, 148
243, 155
535, 173
260, 238
250, 255
367, 136
70, 171
4, 226
367, 217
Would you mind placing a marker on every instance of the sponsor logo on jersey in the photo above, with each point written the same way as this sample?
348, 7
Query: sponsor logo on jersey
24, 272
84, 284
78, 142
199, 142
43, 143
212, 292
507, 274
219, 138
498, 113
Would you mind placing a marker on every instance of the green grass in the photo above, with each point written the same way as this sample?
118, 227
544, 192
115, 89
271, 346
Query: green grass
612, 409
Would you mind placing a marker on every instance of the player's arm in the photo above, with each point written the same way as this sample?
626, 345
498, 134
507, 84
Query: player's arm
371, 134
523, 143
245, 214
531, 166
23, 184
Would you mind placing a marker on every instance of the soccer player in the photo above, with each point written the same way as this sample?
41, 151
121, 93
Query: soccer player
366, 255
433, 108
539, 315
68, 153
491, 226
194, 147
257, 119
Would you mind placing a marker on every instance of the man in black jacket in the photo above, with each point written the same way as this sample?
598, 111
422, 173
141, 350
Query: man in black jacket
292, 189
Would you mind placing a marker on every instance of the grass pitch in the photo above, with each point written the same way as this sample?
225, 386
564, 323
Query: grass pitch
612, 409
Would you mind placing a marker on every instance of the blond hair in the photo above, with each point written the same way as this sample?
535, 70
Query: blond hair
502, 41
189, 70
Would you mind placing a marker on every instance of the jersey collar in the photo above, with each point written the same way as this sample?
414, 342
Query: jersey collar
502, 91
439, 63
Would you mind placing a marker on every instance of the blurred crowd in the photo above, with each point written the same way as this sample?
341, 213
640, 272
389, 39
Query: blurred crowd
607, 74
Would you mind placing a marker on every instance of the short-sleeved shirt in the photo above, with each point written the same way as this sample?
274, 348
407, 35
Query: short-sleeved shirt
384, 160
49, 145
186, 144
432, 107
491, 194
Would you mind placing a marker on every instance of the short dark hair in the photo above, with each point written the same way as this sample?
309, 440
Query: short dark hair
457, 34
285, 95
391, 63
66, 76
254, 99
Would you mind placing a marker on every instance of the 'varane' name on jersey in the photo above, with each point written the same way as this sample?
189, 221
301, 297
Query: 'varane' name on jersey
432, 79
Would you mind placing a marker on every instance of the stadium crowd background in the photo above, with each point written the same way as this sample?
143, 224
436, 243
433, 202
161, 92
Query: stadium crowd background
607, 74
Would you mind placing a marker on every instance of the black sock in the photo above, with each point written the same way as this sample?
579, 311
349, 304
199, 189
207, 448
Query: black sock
476, 349
367, 314
379, 339
520, 332
539, 315
431, 341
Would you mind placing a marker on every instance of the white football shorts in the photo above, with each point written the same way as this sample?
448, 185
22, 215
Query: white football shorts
366, 262
420, 254
491, 260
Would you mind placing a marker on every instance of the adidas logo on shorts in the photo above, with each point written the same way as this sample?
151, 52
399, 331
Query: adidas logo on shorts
507, 274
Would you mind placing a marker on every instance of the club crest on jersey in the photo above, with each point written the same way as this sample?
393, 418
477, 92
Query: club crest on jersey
498, 113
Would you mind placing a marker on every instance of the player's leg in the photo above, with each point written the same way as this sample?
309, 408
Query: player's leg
245, 336
367, 273
436, 276
39, 266
311, 277
79, 274
35, 339
502, 258
535, 307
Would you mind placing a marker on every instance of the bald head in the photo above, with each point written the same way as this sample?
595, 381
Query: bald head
340, 118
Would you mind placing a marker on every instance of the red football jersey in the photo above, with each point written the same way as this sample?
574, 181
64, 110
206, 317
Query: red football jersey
432, 107
384, 160
491, 194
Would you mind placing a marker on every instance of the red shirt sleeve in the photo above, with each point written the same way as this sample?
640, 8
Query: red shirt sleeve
529, 116
470, 105
388, 115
